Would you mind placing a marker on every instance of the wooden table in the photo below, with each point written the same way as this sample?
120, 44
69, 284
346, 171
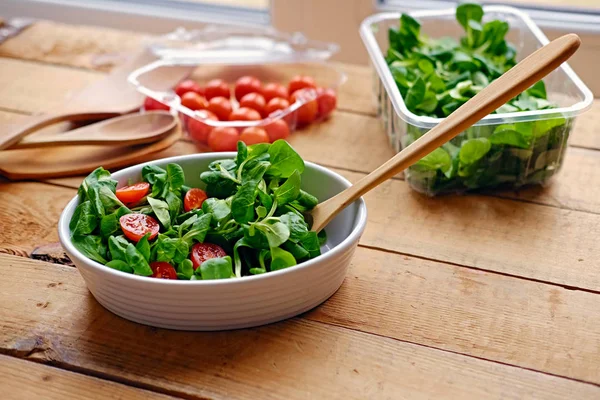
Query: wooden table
480, 296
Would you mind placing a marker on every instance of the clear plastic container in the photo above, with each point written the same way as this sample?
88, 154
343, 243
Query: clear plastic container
230, 52
503, 165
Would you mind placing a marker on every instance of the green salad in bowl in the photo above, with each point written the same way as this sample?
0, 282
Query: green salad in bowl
247, 220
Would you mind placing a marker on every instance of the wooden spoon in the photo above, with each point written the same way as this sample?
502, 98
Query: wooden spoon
105, 98
127, 130
513, 82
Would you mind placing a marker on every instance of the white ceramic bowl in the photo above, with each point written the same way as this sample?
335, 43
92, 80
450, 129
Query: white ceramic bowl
232, 303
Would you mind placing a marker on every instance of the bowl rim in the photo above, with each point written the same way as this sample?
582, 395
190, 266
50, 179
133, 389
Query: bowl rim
358, 227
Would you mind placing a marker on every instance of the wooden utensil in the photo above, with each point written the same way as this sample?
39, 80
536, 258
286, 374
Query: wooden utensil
513, 82
58, 162
127, 130
106, 98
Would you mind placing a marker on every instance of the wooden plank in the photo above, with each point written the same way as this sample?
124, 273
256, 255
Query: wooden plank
499, 318
29, 380
585, 132
48, 315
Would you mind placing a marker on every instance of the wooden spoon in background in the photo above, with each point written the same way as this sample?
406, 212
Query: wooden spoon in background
518, 79
126, 130
106, 98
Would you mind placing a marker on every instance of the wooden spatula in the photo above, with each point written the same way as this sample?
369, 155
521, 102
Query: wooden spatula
516, 80
126, 130
105, 98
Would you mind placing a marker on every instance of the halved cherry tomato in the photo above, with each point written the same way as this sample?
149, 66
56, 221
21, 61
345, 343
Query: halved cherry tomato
223, 138
205, 251
300, 82
308, 112
151, 104
327, 100
221, 107
136, 226
194, 101
276, 104
188, 85
253, 135
255, 101
163, 270
244, 114
277, 130
274, 90
133, 193
193, 199
217, 88
199, 130
245, 85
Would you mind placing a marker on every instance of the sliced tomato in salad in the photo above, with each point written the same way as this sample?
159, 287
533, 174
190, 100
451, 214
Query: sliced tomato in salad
205, 251
136, 226
163, 270
193, 199
134, 193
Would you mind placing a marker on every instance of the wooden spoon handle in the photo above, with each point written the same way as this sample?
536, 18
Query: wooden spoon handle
513, 82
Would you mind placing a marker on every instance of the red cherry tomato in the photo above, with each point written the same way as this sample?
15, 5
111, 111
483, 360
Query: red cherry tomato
193, 199
188, 85
255, 101
151, 104
205, 251
274, 90
308, 112
194, 101
221, 107
217, 88
133, 193
253, 135
223, 139
276, 104
244, 114
245, 85
197, 129
300, 82
327, 101
277, 130
136, 226
163, 270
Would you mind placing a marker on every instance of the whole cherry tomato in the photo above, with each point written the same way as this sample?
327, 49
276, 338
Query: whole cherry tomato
274, 90
134, 193
245, 85
276, 104
277, 130
244, 114
199, 130
193, 199
217, 88
136, 226
205, 251
163, 270
221, 107
194, 101
188, 85
253, 135
327, 101
151, 104
255, 101
223, 138
308, 112
300, 82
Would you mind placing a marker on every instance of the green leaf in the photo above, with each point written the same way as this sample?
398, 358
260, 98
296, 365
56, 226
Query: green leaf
185, 269
242, 205
408, 34
91, 246
236, 255
84, 220
242, 153
109, 224
216, 268
538, 90
281, 259
284, 160
311, 243
473, 150
174, 204
164, 249
299, 252
290, 190
415, 94
219, 209
161, 210
466, 12
198, 229
143, 247
261, 212
307, 200
137, 261
517, 135
120, 266
175, 177
437, 159
257, 271
117, 246
322, 236
275, 231
296, 225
